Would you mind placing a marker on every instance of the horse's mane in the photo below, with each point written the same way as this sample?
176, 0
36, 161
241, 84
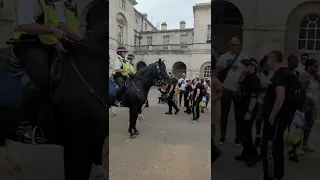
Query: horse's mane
146, 69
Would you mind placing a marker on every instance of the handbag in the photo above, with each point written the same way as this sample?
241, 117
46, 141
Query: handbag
224, 72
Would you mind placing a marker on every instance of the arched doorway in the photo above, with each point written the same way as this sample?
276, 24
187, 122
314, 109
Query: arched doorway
179, 68
141, 65
303, 30
94, 17
205, 71
227, 21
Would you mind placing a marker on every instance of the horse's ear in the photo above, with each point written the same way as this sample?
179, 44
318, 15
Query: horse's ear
159, 61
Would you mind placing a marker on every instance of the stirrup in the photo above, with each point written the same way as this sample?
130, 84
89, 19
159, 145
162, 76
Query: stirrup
42, 140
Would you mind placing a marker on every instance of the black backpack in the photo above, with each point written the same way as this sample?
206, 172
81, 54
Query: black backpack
295, 94
203, 90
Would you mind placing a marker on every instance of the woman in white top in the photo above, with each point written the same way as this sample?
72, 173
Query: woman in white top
310, 82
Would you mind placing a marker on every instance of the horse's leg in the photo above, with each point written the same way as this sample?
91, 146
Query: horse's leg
98, 172
77, 158
133, 116
11, 157
140, 116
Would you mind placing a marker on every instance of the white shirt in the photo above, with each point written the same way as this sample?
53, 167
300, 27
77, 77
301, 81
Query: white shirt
118, 64
183, 86
180, 80
27, 11
299, 118
300, 68
230, 83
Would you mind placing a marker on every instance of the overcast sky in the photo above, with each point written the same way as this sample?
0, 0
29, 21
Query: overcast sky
169, 11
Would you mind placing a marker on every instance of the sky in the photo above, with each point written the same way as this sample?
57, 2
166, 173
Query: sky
169, 11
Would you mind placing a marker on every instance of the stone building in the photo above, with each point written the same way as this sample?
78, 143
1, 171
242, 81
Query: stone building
292, 26
185, 50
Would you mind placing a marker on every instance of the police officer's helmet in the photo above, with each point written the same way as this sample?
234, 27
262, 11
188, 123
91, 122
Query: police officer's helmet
131, 56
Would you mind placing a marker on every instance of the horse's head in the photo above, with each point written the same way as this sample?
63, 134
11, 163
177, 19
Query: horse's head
160, 72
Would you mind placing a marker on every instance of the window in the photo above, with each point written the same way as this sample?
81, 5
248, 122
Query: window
183, 38
149, 41
209, 33
207, 72
122, 4
135, 40
120, 33
165, 39
145, 26
309, 33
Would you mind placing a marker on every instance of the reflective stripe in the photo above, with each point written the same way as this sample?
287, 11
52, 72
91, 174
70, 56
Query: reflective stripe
50, 20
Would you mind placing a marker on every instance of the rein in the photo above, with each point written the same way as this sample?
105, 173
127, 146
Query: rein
90, 89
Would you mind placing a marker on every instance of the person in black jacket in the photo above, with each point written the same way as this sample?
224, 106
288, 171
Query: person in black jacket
170, 90
247, 98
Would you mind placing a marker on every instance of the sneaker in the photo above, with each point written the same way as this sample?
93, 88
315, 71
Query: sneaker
193, 121
307, 148
169, 113
293, 157
202, 111
237, 143
221, 141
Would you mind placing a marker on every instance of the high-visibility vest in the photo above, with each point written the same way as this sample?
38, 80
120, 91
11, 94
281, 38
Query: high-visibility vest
50, 20
124, 67
71, 18
132, 68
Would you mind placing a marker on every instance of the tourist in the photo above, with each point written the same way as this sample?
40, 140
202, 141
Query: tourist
187, 97
181, 83
310, 82
248, 92
265, 76
196, 98
230, 71
170, 94
276, 111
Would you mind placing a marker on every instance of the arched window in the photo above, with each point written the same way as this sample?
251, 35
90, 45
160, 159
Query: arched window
207, 72
309, 33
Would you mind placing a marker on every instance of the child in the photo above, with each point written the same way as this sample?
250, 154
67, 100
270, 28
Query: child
159, 95
295, 131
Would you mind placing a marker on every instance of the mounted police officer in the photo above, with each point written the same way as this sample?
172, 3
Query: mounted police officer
44, 22
71, 19
122, 69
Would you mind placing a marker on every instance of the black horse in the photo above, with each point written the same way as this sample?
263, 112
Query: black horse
79, 109
137, 89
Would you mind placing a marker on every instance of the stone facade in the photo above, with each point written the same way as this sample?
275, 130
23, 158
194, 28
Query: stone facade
269, 25
185, 50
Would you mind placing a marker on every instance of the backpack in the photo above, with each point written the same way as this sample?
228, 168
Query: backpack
295, 94
203, 90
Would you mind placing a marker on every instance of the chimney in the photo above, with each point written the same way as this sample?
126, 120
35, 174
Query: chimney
163, 26
145, 15
182, 24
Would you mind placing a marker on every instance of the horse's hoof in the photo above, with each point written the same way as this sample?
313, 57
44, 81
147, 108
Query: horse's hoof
132, 136
136, 133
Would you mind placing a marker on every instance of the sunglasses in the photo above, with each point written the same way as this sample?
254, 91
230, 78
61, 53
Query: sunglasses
235, 45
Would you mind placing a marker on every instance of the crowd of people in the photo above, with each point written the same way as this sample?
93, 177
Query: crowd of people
195, 94
279, 99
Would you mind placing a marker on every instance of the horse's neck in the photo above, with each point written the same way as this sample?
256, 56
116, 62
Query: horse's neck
146, 82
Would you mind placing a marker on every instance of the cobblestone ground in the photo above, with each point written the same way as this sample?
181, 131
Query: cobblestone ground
168, 147
226, 168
